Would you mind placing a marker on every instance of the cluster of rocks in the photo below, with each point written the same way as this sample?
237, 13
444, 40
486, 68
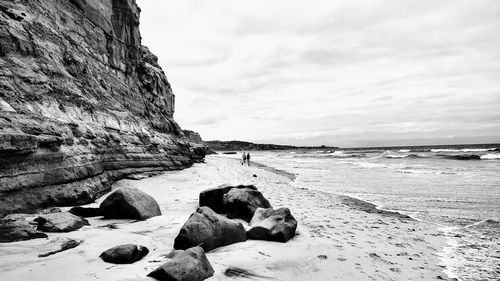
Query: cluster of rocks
124, 203
217, 222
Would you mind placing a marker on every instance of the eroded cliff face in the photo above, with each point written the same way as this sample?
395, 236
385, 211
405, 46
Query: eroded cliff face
82, 103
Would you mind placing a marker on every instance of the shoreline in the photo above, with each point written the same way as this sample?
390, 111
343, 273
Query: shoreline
371, 207
333, 241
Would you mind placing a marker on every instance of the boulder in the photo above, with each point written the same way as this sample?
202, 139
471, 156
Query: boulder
85, 212
241, 203
273, 225
129, 203
214, 197
123, 254
209, 230
12, 230
189, 265
60, 222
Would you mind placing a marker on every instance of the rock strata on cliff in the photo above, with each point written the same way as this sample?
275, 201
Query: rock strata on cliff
82, 103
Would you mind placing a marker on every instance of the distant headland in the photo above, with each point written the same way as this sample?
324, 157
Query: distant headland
217, 145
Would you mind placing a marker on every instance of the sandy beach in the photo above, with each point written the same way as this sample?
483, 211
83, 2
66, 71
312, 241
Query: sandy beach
337, 238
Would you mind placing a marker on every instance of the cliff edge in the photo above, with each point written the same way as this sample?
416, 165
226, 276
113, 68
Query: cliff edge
82, 103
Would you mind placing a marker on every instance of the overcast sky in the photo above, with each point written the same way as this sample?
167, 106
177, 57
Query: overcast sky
344, 73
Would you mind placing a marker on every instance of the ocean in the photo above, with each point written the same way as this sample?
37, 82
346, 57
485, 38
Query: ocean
456, 187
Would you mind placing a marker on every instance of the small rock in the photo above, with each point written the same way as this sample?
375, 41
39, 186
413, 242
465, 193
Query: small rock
129, 203
60, 222
124, 254
254, 175
189, 265
209, 230
322, 257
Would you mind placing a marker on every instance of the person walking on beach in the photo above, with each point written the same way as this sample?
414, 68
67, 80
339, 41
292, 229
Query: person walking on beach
248, 159
244, 158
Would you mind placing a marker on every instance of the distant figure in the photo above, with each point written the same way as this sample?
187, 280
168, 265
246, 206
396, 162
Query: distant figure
244, 158
248, 159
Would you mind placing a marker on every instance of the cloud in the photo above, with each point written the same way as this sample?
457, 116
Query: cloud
335, 72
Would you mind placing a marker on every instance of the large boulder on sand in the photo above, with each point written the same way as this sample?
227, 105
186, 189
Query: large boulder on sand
189, 265
12, 230
123, 254
214, 197
273, 225
209, 230
241, 203
129, 203
60, 222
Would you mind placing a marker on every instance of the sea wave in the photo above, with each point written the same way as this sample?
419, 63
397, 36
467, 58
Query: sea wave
463, 149
341, 154
403, 156
460, 156
485, 223
491, 156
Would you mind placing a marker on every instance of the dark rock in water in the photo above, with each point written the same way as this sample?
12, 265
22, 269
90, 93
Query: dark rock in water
209, 230
463, 157
254, 175
82, 103
66, 245
370, 208
60, 222
273, 225
123, 254
86, 212
229, 152
241, 203
12, 230
214, 197
129, 203
189, 265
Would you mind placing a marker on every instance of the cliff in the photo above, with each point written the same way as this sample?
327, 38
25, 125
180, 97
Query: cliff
82, 103
193, 137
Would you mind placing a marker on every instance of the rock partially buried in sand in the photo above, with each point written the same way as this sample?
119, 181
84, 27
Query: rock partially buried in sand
129, 203
241, 203
124, 254
209, 230
60, 222
214, 197
66, 245
273, 225
86, 212
18, 230
189, 265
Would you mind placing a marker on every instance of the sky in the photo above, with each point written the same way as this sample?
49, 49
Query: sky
341, 73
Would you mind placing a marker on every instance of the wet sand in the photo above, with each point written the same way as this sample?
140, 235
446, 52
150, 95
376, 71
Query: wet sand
339, 238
